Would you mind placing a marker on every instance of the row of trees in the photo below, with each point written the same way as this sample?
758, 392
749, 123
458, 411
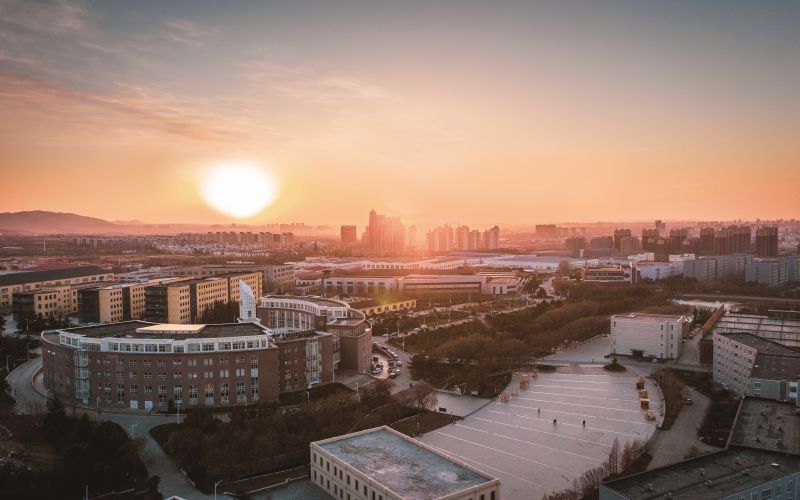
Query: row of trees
672, 388
220, 311
266, 437
513, 338
622, 460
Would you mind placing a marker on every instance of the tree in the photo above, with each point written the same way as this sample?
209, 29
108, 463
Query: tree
424, 396
564, 268
377, 394
220, 311
612, 463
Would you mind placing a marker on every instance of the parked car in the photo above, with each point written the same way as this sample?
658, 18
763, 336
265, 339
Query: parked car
394, 373
398, 363
689, 401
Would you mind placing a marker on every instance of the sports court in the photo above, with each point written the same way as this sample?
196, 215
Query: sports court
518, 442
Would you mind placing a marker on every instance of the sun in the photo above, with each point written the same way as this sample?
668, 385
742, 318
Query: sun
239, 190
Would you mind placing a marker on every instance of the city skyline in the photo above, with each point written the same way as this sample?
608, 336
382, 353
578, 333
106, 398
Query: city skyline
521, 114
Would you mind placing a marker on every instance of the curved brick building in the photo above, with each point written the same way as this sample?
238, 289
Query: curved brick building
141, 365
348, 331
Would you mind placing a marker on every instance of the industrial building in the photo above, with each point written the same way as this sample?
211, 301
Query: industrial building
383, 464
648, 335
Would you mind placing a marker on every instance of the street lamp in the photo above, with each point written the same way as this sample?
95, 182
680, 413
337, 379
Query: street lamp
133, 426
215, 488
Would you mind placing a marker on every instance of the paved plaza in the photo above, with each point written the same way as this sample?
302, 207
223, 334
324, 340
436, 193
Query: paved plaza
518, 442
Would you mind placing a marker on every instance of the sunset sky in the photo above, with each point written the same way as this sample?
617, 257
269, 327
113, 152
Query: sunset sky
435, 111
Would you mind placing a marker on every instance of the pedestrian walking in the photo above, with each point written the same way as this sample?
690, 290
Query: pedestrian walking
584, 423
538, 411
555, 421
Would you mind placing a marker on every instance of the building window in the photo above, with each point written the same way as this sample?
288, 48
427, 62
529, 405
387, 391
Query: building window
209, 394
254, 389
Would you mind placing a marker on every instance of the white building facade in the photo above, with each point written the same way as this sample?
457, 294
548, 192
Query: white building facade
648, 335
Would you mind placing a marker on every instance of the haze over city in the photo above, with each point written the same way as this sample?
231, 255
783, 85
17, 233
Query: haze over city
445, 112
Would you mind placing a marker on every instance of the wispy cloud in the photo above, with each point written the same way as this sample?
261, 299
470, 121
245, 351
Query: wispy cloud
45, 17
187, 32
312, 84
5, 57
128, 107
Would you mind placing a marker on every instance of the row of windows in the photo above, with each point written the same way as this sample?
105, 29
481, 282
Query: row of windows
225, 373
133, 392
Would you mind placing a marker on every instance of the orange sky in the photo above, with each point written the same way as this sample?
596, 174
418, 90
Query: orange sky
454, 112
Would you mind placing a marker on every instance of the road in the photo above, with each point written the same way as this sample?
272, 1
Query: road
19, 383
403, 380
680, 441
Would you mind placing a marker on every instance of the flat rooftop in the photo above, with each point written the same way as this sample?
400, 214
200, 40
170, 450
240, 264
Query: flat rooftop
147, 330
322, 301
730, 471
654, 318
401, 464
761, 345
50, 275
774, 361
762, 423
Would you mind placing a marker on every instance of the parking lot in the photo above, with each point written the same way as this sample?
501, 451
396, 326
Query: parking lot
519, 443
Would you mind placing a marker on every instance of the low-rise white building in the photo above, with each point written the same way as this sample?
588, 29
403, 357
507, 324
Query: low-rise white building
648, 335
659, 270
383, 464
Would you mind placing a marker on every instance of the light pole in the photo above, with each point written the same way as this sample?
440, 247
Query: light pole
133, 426
28, 349
215, 488
178, 415
8, 370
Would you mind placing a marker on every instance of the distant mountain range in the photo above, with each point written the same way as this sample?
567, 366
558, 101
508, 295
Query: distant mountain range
38, 222
42, 222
